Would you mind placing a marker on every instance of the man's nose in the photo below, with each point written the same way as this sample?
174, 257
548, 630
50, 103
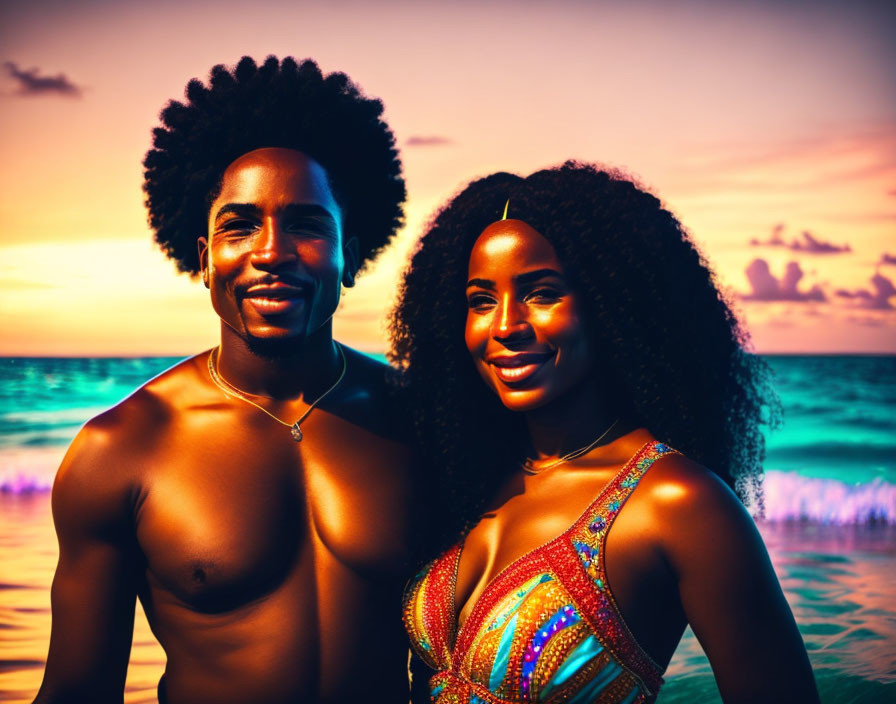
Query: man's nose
510, 319
273, 246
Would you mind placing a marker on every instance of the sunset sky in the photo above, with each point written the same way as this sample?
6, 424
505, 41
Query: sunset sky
769, 128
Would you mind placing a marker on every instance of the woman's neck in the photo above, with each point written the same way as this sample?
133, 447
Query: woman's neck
571, 422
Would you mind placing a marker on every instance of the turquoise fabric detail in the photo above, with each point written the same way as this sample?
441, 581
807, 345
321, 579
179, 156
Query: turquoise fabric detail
476, 700
499, 668
520, 595
589, 693
437, 690
575, 661
631, 696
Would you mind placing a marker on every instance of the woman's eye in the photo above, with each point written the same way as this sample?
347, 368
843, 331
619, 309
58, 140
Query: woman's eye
544, 295
477, 301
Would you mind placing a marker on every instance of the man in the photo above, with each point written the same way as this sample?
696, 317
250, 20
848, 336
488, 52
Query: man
255, 497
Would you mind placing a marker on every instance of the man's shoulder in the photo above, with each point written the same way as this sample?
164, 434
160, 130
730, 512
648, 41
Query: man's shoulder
371, 395
151, 404
130, 427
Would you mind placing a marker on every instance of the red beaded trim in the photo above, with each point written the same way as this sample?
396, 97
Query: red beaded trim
436, 590
560, 559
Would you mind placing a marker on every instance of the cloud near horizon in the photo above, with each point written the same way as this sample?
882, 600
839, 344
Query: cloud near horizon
809, 243
31, 83
428, 141
879, 299
767, 287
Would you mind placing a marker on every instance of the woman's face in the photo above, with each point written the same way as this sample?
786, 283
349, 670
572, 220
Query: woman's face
524, 326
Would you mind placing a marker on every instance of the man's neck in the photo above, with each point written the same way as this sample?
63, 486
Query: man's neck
300, 368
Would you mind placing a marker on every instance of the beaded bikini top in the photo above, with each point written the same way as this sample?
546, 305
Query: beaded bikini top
545, 629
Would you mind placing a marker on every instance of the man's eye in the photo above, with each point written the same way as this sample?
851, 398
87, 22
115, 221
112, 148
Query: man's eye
311, 228
237, 225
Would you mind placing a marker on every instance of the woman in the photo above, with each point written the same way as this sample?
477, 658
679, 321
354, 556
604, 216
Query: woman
546, 352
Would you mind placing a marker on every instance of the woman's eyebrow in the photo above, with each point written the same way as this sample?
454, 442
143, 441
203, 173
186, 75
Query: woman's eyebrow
529, 277
481, 283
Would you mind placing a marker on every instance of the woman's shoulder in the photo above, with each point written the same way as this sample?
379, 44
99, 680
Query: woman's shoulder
677, 483
690, 506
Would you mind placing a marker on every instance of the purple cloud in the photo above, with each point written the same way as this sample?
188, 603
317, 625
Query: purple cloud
30, 83
809, 243
886, 258
767, 287
858, 293
776, 240
878, 299
427, 141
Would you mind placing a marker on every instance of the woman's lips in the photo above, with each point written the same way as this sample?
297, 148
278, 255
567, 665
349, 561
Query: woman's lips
516, 370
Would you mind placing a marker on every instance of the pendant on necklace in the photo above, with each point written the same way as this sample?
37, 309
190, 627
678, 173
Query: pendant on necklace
296, 432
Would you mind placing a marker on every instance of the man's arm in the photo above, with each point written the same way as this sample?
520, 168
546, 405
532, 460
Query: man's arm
94, 589
729, 590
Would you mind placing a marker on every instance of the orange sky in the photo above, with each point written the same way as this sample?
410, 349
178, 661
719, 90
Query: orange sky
742, 116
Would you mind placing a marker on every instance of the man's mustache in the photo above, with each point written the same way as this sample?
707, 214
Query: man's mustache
285, 283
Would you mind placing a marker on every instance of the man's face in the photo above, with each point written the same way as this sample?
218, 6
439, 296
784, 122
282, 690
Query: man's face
274, 259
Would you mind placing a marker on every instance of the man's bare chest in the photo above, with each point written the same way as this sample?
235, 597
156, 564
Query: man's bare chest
223, 522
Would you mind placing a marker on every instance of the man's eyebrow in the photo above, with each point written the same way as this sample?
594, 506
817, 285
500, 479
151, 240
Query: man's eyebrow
307, 210
294, 210
245, 210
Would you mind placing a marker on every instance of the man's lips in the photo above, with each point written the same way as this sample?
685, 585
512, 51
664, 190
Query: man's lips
276, 298
517, 369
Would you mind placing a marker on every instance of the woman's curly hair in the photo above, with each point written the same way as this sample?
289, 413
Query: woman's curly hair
278, 104
666, 337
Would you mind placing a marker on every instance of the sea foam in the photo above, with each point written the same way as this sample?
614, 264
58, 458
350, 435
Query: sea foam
26, 470
789, 496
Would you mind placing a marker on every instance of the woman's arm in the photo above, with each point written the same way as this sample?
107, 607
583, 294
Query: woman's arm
729, 590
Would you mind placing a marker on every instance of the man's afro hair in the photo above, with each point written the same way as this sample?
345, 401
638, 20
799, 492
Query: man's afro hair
278, 104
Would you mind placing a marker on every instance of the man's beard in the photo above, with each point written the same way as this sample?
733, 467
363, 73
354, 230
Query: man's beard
272, 349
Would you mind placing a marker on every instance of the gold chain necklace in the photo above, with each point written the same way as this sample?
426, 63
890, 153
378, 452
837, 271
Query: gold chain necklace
230, 390
529, 467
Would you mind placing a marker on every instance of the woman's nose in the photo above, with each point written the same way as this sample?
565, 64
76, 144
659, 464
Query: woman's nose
510, 320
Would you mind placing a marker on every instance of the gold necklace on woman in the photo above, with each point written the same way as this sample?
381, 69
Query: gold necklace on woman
230, 390
528, 465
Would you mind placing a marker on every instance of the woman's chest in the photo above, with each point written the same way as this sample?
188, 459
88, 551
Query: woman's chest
543, 513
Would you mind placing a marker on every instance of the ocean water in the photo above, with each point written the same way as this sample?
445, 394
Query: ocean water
830, 522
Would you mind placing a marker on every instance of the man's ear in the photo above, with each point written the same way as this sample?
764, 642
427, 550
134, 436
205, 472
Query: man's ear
352, 256
202, 246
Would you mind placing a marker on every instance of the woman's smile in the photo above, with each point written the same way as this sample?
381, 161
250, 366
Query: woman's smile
518, 369
524, 331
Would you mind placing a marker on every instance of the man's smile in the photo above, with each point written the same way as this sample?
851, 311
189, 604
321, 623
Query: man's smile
277, 297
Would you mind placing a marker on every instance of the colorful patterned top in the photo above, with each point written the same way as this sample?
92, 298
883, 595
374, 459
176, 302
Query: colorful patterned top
545, 629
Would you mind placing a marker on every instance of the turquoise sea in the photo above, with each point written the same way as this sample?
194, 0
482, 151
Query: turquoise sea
830, 517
